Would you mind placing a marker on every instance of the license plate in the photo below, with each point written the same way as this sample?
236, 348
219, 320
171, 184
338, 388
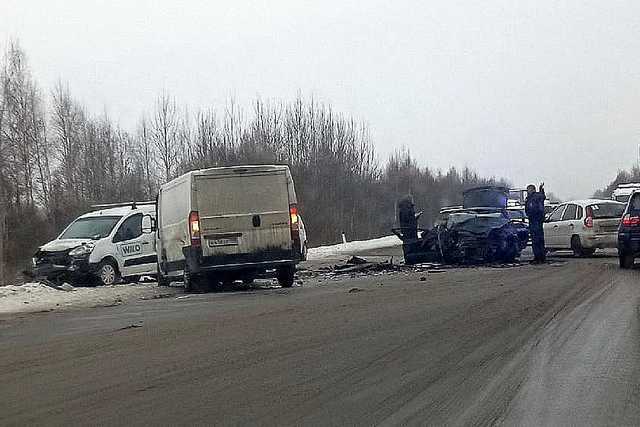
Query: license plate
226, 241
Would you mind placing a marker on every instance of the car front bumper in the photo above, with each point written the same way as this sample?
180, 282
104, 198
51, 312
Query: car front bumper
72, 267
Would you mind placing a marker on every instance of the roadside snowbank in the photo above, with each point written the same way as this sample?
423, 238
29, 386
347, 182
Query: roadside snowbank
33, 297
350, 248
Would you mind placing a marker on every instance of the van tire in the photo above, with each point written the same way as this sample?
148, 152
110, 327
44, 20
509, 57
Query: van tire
162, 279
286, 276
192, 284
305, 250
107, 273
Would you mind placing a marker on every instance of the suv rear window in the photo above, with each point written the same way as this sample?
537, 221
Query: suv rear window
607, 210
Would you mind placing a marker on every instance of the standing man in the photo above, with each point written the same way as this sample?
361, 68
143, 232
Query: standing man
534, 207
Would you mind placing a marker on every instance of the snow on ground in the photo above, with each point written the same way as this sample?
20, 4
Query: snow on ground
349, 248
33, 297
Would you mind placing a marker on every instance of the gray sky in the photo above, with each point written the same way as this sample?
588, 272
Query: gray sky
528, 90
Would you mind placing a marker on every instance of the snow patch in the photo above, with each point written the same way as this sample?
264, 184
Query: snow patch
33, 297
349, 248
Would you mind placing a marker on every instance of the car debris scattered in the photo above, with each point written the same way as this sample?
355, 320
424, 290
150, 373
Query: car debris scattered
131, 326
479, 232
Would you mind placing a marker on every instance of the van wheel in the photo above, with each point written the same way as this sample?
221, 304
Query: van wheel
107, 273
626, 261
304, 252
162, 279
191, 283
576, 246
286, 276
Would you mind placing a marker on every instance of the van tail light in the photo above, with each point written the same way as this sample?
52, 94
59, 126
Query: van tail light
295, 222
588, 221
630, 221
194, 228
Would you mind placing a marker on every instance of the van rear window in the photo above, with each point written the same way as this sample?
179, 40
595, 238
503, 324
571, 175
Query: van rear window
607, 210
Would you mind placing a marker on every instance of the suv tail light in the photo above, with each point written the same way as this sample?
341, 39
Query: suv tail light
588, 221
630, 221
295, 222
194, 228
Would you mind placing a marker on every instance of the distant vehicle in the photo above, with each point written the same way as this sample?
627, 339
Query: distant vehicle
490, 198
517, 213
629, 232
583, 226
517, 197
623, 192
226, 224
103, 246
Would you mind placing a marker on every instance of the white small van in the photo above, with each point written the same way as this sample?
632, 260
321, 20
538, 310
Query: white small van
229, 223
103, 246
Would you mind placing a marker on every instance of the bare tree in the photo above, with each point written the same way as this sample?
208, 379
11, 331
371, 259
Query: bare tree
165, 134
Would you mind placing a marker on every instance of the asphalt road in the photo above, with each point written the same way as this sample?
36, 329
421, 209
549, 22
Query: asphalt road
531, 345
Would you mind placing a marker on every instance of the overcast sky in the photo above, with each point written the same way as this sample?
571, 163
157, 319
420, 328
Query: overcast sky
527, 90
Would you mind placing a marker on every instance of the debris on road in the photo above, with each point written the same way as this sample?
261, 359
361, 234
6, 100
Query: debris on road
354, 290
356, 260
132, 326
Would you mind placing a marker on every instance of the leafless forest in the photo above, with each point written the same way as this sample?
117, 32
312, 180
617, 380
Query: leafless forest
56, 159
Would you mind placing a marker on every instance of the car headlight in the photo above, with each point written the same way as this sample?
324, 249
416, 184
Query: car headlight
82, 250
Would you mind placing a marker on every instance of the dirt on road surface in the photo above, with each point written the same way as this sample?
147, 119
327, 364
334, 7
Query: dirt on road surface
532, 345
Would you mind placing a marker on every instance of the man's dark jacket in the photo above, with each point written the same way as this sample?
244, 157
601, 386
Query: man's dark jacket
534, 207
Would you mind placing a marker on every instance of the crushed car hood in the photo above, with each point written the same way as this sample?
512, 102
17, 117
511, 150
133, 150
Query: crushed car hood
63, 244
476, 223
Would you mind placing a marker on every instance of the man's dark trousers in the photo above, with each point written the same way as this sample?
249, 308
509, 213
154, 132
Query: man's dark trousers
537, 240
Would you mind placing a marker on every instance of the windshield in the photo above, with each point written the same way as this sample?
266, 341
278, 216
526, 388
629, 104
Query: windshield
607, 210
91, 228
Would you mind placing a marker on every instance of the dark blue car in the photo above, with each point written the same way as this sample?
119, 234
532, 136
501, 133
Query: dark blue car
629, 232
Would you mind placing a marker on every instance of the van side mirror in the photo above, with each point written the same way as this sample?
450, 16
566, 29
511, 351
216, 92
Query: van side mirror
148, 224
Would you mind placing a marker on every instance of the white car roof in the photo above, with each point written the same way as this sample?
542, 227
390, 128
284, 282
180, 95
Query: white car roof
120, 211
587, 202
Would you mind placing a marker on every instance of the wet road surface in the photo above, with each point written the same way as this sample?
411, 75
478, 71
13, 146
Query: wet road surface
531, 345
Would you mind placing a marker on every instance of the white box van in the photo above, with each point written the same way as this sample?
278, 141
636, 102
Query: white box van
103, 245
230, 223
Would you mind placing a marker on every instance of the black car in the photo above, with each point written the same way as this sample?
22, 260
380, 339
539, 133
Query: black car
629, 232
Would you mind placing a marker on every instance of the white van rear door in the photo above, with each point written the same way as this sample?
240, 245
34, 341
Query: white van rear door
244, 213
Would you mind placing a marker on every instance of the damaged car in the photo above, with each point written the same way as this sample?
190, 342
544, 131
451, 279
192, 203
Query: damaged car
481, 231
101, 247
